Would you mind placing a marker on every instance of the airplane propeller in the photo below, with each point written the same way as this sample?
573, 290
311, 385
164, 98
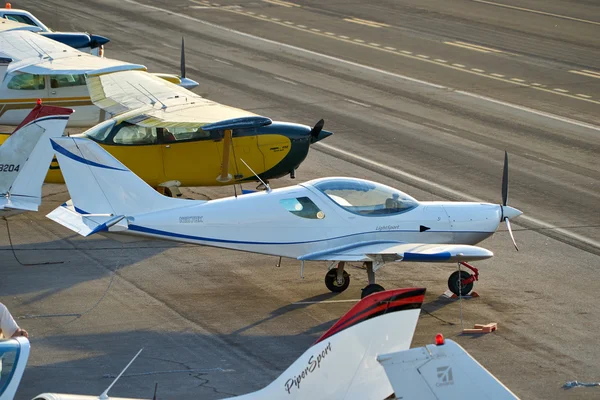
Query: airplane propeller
317, 133
507, 211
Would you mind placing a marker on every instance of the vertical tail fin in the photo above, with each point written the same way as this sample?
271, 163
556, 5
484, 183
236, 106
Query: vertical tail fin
443, 371
342, 364
99, 184
26, 155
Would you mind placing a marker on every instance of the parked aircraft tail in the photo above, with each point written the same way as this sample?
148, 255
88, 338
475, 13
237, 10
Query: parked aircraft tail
441, 371
104, 192
342, 364
26, 155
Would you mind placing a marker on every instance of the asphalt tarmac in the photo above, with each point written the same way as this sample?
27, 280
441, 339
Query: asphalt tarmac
423, 96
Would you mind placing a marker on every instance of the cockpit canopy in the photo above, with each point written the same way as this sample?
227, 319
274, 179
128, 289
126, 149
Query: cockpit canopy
363, 197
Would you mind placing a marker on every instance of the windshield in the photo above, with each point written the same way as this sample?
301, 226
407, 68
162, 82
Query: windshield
9, 351
364, 197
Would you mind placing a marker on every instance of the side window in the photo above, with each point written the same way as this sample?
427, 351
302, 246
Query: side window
24, 19
170, 135
302, 207
135, 135
59, 81
26, 82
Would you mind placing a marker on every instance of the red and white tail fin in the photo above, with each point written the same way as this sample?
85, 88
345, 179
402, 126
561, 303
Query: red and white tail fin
343, 364
441, 371
26, 155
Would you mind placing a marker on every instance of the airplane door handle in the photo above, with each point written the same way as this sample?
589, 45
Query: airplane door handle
168, 146
53, 92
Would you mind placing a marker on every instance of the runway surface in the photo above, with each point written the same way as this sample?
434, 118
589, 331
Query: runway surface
423, 97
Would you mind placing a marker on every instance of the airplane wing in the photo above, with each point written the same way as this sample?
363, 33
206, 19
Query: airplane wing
150, 101
35, 54
387, 251
8, 25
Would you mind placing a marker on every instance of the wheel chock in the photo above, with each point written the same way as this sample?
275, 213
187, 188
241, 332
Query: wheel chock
451, 295
479, 328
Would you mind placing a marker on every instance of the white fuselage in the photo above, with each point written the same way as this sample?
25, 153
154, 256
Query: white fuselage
259, 223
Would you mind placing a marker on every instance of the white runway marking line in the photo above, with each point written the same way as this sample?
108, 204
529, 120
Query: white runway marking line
282, 3
456, 193
390, 48
538, 12
285, 80
375, 44
471, 46
360, 42
561, 90
440, 60
584, 95
223, 61
366, 22
517, 80
326, 301
459, 65
358, 103
382, 71
586, 72
422, 56
477, 70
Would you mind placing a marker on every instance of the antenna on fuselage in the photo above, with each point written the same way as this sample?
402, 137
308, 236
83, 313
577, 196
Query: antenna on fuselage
104, 395
257, 177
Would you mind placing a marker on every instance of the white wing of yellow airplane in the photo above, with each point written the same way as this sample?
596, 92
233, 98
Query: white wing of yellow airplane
148, 100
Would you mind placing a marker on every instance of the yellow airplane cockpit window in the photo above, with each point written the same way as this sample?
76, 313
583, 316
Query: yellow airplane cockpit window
135, 135
66, 80
22, 81
179, 134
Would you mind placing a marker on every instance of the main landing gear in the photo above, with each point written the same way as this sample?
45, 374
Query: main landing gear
337, 280
461, 282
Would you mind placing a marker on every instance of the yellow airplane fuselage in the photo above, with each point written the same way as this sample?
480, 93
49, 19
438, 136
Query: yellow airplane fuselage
195, 163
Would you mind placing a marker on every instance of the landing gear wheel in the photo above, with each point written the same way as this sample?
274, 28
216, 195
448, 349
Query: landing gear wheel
370, 289
454, 283
332, 283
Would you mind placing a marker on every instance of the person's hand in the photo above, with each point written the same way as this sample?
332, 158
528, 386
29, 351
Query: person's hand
21, 332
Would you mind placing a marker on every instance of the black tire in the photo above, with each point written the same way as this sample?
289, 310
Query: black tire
454, 283
370, 289
332, 283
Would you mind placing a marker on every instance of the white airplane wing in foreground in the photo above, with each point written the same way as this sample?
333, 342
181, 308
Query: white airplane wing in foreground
444, 371
343, 364
26, 155
385, 251
154, 101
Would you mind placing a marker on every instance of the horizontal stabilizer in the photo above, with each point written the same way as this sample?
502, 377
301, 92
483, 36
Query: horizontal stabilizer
86, 224
441, 372
389, 251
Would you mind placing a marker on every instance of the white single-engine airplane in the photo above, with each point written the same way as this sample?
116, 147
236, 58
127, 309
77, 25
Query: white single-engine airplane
331, 219
25, 156
378, 330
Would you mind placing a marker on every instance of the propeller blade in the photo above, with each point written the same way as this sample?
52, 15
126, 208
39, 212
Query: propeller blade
314, 133
505, 180
510, 232
182, 58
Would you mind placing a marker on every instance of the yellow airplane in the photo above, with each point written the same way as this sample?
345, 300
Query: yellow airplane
172, 137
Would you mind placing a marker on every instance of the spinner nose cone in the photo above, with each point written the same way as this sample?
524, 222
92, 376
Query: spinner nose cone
510, 212
322, 135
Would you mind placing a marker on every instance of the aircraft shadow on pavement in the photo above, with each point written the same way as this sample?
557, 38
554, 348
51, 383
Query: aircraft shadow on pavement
182, 363
54, 266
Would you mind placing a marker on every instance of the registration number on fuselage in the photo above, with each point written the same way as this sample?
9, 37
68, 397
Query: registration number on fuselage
9, 167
